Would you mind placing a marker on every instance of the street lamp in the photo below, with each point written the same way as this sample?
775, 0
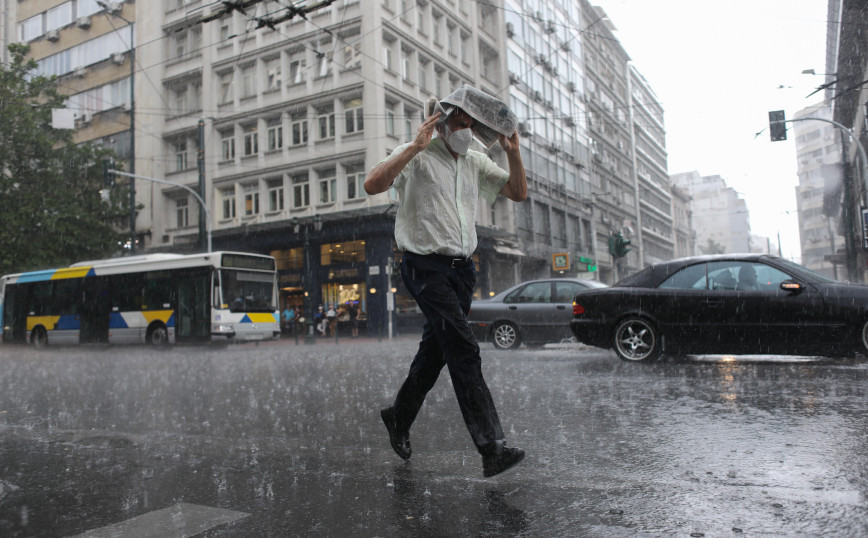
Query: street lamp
108, 10
307, 283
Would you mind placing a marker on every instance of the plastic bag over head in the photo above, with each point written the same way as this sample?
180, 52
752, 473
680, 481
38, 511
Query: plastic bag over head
492, 116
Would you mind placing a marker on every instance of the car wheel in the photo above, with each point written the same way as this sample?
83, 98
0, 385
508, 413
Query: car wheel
506, 335
636, 339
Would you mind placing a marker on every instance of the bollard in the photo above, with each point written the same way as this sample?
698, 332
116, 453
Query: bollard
296, 334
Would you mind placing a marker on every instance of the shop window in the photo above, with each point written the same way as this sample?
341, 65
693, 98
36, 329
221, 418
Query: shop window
344, 253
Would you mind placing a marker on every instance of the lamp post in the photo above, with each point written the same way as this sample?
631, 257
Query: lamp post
108, 10
307, 282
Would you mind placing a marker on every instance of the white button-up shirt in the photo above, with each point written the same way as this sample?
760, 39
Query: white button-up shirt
439, 195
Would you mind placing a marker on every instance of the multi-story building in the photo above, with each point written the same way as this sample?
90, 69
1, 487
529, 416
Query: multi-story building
682, 224
611, 163
88, 47
545, 76
275, 118
820, 182
720, 216
8, 27
656, 241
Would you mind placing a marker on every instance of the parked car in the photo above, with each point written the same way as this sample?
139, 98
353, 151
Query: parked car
724, 304
534, 312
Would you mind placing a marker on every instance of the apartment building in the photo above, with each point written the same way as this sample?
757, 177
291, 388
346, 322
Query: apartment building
88, 47
719, 215
818, 194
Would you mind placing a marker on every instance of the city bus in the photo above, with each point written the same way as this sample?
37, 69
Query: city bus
156, 299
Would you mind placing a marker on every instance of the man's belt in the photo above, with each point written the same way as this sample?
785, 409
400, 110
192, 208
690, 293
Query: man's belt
450, 261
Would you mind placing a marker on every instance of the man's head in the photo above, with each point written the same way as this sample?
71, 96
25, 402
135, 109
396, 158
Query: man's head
451, 129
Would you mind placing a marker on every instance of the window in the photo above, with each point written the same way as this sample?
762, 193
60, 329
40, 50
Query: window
248, 82
537, 292
83, 8
228, 145
31, 28
181, 156
450, 39
227, 197
296, 70
182, 213
405, 64
327, 186
353, 56
179, 45
354, 118
300, 190
58, 17
251, 199
390, 120
326, 125
225, 88
423, 74
437, 28
251, 140
275, 134
275, 194
273, 77
299, 132
324, 59
355, 182
387, 55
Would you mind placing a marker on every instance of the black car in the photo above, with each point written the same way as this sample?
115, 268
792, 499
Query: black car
724, 304
535, 312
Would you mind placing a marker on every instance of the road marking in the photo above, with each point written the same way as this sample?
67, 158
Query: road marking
177, 521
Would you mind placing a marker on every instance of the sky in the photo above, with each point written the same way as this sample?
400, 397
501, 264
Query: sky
718, 68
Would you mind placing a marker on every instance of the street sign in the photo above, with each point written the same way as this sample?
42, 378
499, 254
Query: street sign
561, 261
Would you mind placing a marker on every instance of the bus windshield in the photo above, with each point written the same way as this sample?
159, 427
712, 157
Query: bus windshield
248, 291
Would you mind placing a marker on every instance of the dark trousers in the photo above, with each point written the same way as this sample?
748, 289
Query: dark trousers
444, 293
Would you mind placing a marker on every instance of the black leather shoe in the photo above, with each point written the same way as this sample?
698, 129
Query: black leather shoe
497, 457
400, 441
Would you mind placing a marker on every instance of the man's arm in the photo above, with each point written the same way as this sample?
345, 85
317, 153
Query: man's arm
381, 177
516, 188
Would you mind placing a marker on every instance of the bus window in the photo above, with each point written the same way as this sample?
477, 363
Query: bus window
247, 291
158, 291
66, 297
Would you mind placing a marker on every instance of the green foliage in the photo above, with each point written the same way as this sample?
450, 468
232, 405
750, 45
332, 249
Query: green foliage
52, 211
712, 247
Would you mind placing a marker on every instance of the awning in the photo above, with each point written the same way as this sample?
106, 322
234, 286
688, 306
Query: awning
509, 251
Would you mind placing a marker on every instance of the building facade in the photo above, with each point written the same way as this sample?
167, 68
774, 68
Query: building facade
720, 216
818, 153
275, 114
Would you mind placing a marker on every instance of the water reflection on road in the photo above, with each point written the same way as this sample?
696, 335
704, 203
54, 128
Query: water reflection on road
291, 436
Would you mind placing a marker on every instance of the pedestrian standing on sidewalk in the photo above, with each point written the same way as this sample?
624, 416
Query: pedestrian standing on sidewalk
439, 181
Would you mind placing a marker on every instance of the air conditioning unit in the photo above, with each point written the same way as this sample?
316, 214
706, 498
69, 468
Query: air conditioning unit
510, 29
86, 118
513, 78
52, 35
83, 22
524, 128
565, 46
114, 7
80, 71
570, 121
571, 87
550, 27
537, 96
126, 106
118, 58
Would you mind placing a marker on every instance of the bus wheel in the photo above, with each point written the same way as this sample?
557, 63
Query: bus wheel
157, 335
39, 338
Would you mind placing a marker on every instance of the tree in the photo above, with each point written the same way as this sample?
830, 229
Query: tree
712, 247
52, 210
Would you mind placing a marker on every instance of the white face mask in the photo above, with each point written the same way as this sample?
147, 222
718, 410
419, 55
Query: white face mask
459, 141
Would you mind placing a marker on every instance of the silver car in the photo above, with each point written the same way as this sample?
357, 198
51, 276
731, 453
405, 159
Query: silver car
536, 312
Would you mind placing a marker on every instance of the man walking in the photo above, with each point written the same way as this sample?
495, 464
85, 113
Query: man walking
438, 181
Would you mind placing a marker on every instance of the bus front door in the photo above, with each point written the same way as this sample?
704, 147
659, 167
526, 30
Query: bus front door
193, 314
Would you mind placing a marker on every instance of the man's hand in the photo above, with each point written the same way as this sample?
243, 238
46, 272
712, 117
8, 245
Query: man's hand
426, 131
509, 144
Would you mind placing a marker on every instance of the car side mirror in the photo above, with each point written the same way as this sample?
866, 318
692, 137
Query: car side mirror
791, 286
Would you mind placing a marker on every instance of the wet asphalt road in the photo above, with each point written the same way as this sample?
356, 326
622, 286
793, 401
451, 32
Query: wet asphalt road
286, 440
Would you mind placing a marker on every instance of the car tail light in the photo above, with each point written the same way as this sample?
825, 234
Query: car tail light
578, 309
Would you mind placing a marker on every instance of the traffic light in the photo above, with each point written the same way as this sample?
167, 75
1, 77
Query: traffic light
622, 249
777, 127
618, 245
108, 178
